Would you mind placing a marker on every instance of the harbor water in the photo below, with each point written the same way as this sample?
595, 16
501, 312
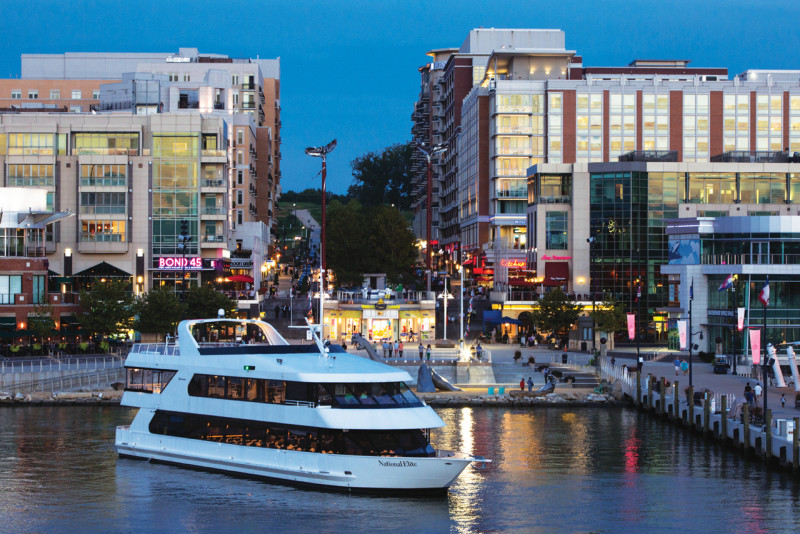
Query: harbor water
554, 470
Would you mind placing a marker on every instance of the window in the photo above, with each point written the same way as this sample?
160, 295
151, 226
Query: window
39, 289
76, 94
27, 175
16, 94
235, 96
240, 197
10, 286
75, 109
240, 157
173, 76
55, 94
556, 230
30, 144
234, 79
103, 175
240, 177
187, 77
96, 94
102, 203
33, 94
188, 99
103, 231
239, 217
147, 380
107, 143
239, 137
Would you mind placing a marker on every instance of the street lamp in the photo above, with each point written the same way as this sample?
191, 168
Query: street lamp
183, 240
429, 154
322, 152
445, 296
461, 317
591, 242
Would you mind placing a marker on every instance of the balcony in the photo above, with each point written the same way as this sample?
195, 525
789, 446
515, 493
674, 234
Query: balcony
512, 193
213, 186
554, 199
219, 105
248, 86
213, 241
750, 259
214, 155
650, 155
513, 151
213, 213
29, 181
249, 105
756, 156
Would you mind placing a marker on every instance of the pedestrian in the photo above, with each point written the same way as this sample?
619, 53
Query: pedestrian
677, 365
684, 366
397, 349
385, 349
757, 391
428, 352
421, 351
400, 350
391, 349
530, 384
613, 361
277, 311
344, 345
522, 384
478, 350
783, 401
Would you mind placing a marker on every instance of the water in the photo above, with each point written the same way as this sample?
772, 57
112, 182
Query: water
554, 470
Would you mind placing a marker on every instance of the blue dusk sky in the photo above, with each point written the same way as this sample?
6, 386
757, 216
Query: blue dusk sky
349, 68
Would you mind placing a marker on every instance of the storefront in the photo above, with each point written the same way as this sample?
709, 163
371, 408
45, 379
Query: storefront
380, 321
343, 323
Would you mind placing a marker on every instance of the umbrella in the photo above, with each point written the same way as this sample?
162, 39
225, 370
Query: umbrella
241, 278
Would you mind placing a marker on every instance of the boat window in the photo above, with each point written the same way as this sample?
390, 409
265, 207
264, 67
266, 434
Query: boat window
216, 387
147, 380
300, 391
324, 397
276, 392
413, 442
235, 388
254, 390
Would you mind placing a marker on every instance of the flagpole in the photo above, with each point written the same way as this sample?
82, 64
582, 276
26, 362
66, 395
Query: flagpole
764, 344
689, 333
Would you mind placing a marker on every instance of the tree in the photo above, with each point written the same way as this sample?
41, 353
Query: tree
610, 316
556, 313
108, 309
203, 302
392, 244
41, 321
159, 311
346, 243
383, 178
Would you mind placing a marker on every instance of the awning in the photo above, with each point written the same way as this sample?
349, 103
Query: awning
240, 278
556, 273
104, 269
469, 262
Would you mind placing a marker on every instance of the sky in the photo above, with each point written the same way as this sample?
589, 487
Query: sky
349, 68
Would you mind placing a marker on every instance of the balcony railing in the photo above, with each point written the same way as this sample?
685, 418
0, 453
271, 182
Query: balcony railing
513, 151
214, 239
104, 238
512, 193
650, 155
212, 211
103, 210
750, 259
756, 156
25, 181
248, 105
109, 181
554, 199
213, 183
214, 153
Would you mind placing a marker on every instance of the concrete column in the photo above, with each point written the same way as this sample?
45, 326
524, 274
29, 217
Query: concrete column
676, 403
706, 415
663, 396
723, 422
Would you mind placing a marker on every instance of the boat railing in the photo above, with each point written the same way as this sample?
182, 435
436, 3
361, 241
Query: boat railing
156, 348
305, 404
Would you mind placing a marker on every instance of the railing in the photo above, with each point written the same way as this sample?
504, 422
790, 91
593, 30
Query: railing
756, 156
105, 151
650, 155
553, 199
528, 130
213, 239
513, 151
86, 380
65, 364
512, 193
750, 259
156, 348
41, 181
212, 211
104, 182
102, 210
92, 238
213, 153
219, 105
213, 183
385, 294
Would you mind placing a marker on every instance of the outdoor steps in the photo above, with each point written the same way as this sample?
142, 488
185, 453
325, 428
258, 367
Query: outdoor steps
511, 373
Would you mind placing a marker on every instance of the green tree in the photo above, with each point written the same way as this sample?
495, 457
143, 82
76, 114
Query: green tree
610, 316
159, 311
383, 178
41, 321
203, 302
346, 242
108, 309
556, 313
392, 245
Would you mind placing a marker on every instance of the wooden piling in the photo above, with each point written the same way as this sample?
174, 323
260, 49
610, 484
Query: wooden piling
706, 415
638, 390
689, 419
663, 397
796, 446
746, 429
676, 403
768, 430
649, 392
723, 422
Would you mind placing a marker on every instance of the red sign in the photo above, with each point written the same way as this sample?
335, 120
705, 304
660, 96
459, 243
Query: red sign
179, 263
513, 264
556, 257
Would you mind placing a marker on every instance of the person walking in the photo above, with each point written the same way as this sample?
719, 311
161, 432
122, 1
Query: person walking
677, 365
421, 351
530, 383
428, 352
522, 384
397, 349
385, 349
783, 401
400, 350
478, 350
757, 390
684, 366
391, 349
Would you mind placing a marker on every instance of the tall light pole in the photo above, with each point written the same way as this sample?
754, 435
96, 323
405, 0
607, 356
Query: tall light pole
461, 323
322, 152
591, 242
429, 154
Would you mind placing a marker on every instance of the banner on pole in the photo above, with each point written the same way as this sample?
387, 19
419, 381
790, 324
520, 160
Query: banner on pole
740, 318
631, 326
755, 345
682, 333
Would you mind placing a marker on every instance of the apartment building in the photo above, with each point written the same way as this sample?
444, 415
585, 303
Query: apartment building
22, 95
174, 141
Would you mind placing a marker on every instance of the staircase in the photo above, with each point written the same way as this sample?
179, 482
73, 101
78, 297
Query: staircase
511, 373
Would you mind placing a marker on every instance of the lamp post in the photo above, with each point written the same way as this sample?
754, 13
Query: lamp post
461, 320
322, 152
591, 242
429, 153
445, 296
639, 318
183, 239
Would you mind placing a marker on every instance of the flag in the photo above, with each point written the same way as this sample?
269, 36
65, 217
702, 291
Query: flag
763, 295
727, 283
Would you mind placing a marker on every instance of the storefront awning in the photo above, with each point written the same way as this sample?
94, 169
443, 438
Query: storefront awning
556, 273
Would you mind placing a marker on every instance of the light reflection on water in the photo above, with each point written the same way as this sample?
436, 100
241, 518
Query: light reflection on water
553, 470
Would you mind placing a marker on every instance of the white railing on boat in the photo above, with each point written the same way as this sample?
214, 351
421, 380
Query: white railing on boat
305, 404
156, 348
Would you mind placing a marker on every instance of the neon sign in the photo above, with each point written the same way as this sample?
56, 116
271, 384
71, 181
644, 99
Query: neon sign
179, 263
556, 257
513, 264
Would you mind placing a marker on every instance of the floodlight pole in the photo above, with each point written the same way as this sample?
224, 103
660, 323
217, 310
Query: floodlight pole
429, 153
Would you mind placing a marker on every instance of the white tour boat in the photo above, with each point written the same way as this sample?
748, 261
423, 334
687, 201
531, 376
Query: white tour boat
258, 406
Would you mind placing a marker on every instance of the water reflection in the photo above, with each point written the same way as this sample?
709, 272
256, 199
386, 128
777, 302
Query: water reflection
553, 470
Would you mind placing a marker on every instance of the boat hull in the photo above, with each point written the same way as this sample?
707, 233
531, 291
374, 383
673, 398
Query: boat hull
334, 471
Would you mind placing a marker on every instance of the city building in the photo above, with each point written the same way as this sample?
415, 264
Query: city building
174, 172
